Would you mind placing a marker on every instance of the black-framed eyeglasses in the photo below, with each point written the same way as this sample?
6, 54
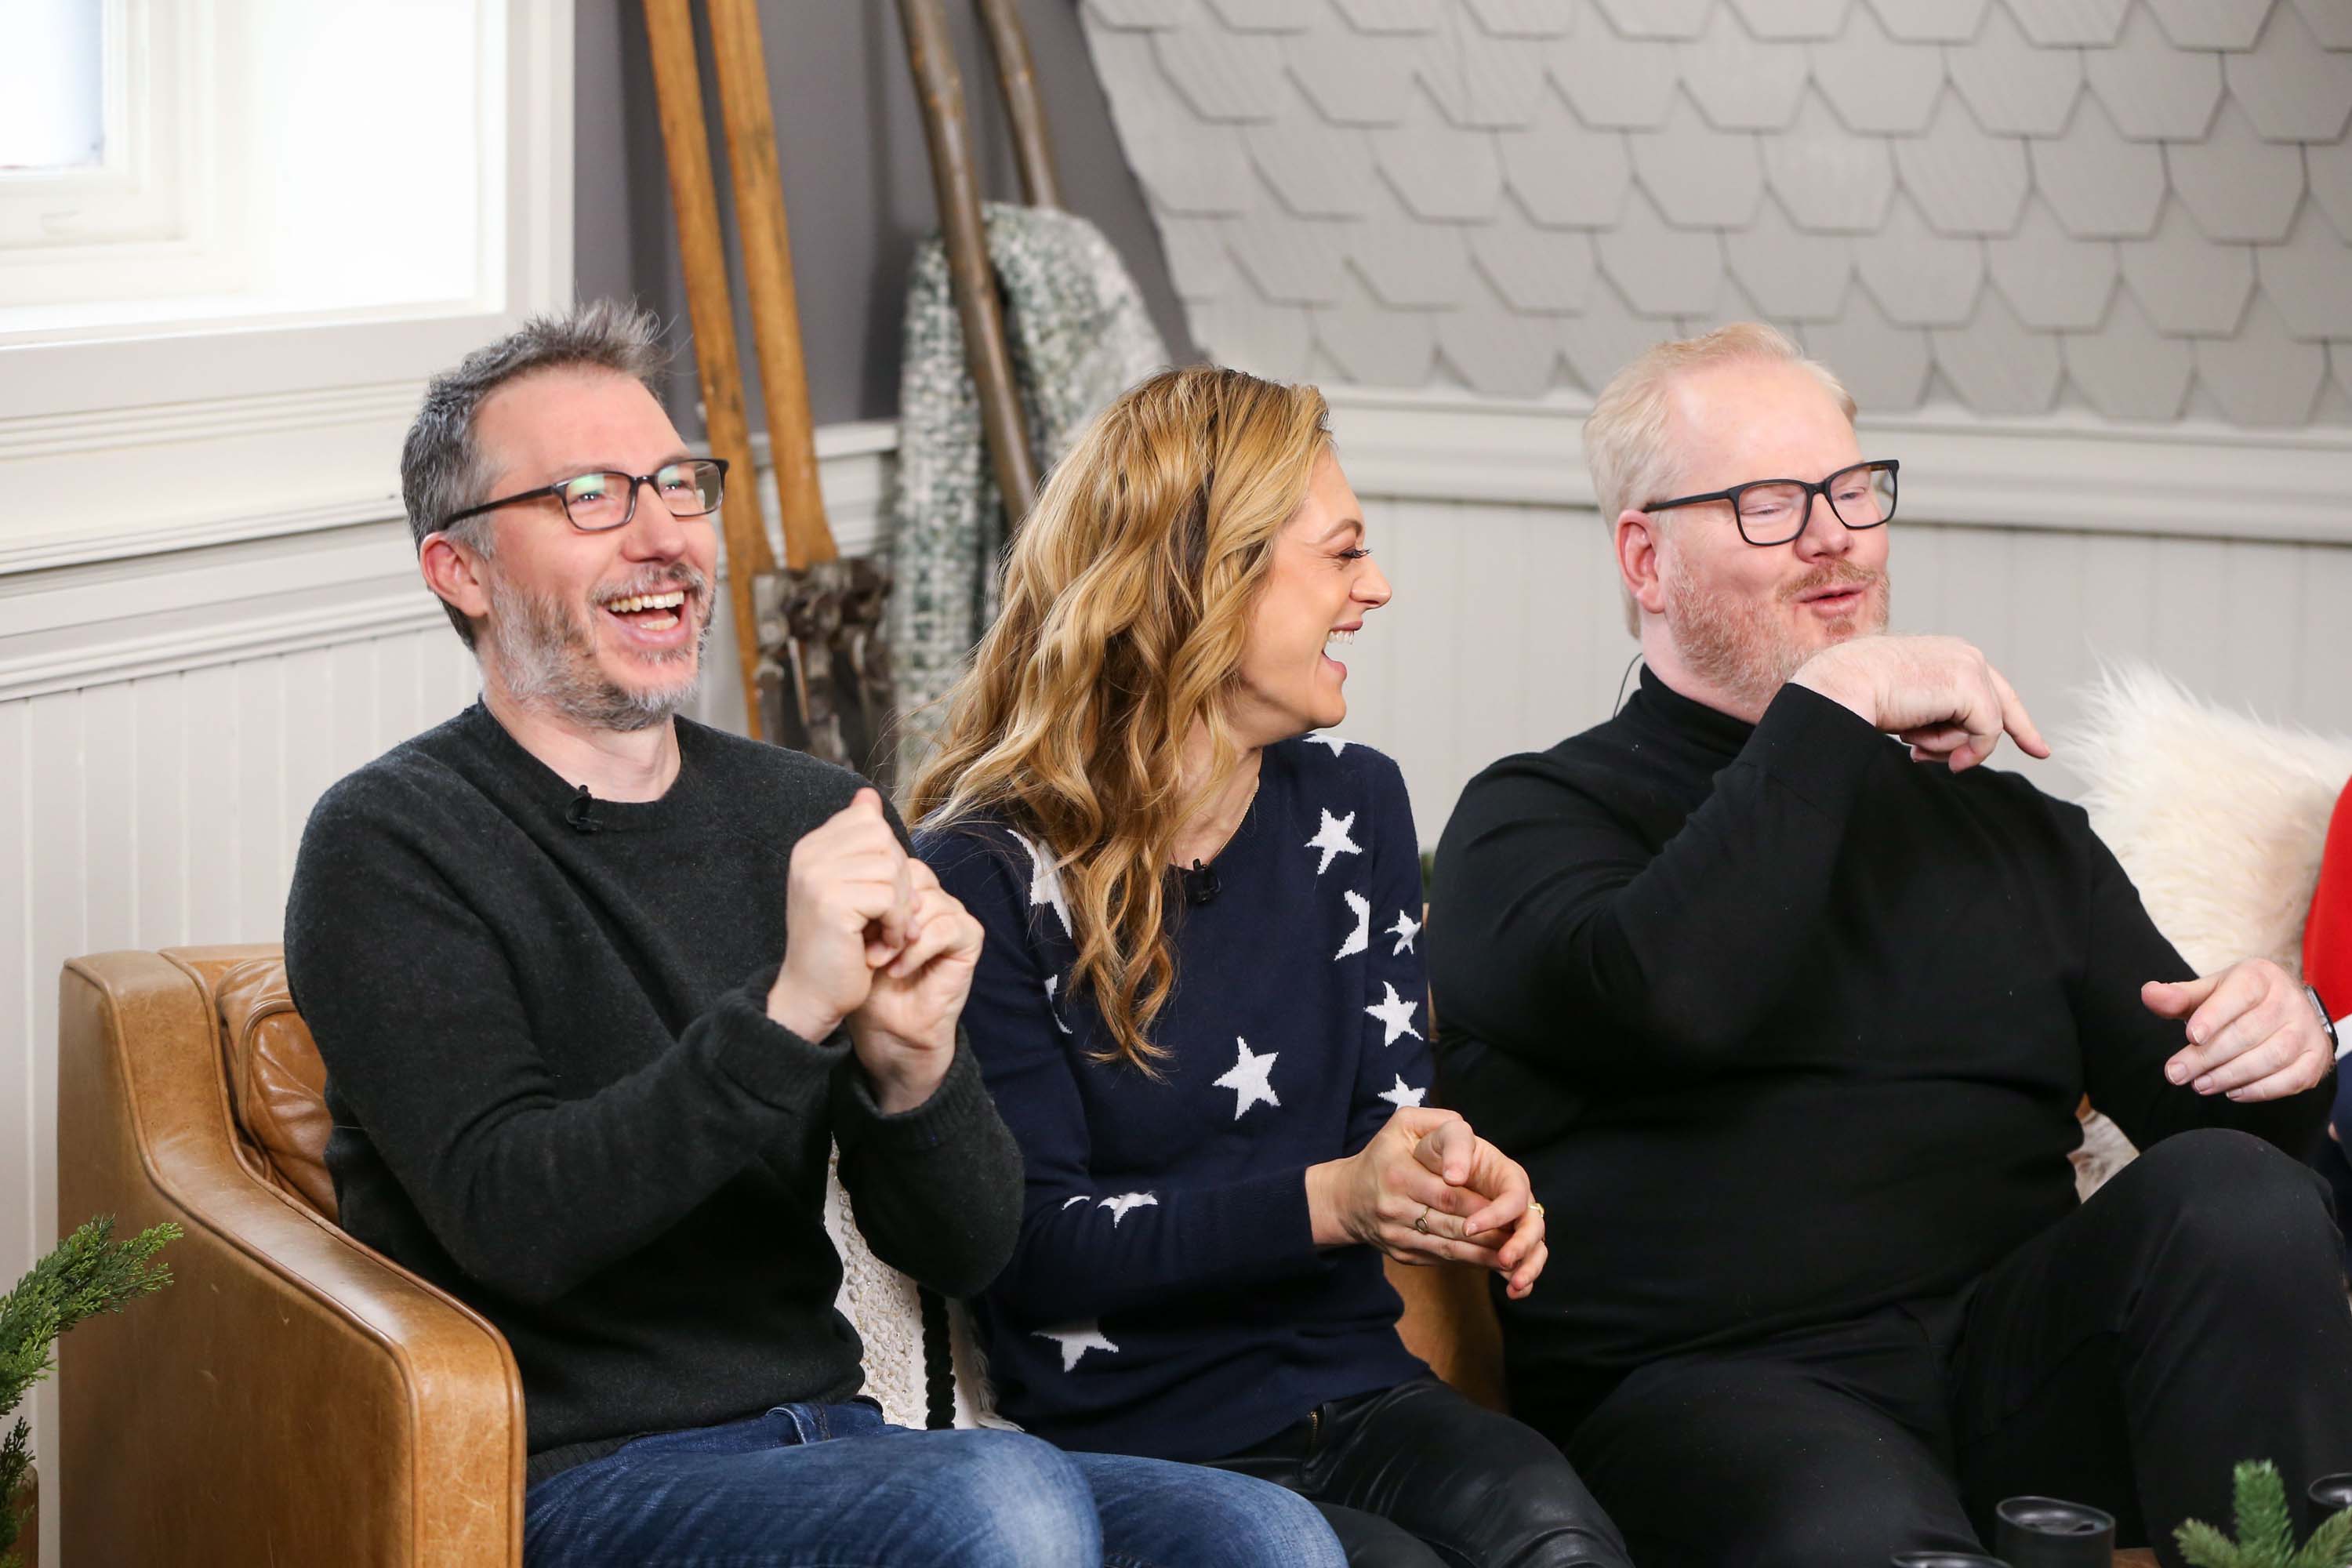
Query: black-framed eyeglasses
1773, 511
608, 498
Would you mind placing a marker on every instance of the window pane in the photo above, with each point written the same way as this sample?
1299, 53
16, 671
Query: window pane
52, 86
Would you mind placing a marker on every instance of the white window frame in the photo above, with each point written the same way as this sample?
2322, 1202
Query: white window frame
174, 436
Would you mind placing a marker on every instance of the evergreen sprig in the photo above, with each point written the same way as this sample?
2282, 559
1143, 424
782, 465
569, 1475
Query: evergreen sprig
89, 1273
2265, 1530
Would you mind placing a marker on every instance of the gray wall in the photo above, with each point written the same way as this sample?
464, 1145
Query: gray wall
857, 177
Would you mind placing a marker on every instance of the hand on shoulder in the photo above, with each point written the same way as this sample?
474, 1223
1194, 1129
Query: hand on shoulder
1938, 695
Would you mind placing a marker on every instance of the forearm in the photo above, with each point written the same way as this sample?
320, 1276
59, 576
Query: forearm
1084, 1253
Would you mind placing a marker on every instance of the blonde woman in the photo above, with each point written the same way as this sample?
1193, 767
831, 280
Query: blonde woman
1200, 1001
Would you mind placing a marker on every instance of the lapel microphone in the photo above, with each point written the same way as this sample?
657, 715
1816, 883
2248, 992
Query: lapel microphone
1200, 883
580, 814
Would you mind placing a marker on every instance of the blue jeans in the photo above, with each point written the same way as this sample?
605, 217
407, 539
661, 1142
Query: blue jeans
835, 1486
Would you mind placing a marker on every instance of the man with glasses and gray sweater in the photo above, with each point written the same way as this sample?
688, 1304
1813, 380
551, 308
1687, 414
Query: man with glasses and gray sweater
597, 987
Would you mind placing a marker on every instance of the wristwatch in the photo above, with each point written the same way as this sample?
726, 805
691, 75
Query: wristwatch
2328, 1025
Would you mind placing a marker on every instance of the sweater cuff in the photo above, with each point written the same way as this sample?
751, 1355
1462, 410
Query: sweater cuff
1816, 745
766, 1060
960, 1100
1269, 1221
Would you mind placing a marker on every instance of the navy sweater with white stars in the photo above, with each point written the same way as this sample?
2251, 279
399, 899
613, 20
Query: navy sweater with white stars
1166, 1297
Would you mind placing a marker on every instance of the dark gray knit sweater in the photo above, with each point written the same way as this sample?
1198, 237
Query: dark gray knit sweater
557, 1092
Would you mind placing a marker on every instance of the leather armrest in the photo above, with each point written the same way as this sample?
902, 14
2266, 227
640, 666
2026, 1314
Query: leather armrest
1449, 1322
293, 1396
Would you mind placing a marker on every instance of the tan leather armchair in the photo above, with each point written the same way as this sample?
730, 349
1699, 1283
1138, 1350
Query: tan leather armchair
294, 1396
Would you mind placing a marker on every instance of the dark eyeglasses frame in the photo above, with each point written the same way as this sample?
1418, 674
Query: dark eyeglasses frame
1889, 465
556, 490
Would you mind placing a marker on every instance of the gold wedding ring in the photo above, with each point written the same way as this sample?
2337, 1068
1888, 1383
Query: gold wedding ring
1535, 1208
1421, 1225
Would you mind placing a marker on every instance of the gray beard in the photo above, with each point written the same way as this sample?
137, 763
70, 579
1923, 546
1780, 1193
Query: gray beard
547, 659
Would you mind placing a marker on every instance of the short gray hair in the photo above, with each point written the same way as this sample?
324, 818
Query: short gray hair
441, 467
1628, 438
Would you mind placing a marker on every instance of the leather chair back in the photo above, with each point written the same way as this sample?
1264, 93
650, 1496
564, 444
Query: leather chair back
277, 1084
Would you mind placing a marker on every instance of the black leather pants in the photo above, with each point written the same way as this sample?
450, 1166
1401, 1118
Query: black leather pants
1416, 1475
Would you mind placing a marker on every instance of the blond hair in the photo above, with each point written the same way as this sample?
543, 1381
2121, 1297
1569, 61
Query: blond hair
1629, 446
1128, 596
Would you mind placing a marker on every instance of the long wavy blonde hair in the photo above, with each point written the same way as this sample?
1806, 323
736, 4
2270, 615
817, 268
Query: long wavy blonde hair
1127, 598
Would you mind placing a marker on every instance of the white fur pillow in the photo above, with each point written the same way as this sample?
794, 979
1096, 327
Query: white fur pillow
2218, 820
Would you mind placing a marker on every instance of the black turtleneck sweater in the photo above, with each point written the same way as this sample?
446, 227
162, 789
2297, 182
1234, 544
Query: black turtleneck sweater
1785, 1026
557, 1092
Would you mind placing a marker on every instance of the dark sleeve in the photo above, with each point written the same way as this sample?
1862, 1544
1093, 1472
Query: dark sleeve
1557, 930
937, 1189
410, 995
1394, 1062
1087, 1247
2125, 1046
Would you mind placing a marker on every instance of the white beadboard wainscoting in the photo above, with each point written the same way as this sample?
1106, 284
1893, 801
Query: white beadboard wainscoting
167, 720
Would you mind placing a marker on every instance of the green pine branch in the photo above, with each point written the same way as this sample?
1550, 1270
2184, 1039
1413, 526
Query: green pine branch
89, 1273
2265, 1530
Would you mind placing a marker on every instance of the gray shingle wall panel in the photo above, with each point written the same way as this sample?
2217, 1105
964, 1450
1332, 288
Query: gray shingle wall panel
1791, 273
1919, 277
1524, 18
2129, 370
1699, 177
2330, 22
2309, 279
2154, 89
2263, 376
1877, 86
1929, 21
1964, 179
2057, 22
2234, 183
1794, 20
1656, 18
2329, 169
1830, 180
1532, 269
1352, 77
1739, 81
2100, 185
2189, 286
1443, 172
2051, 279
2291, 88
1564, 174
2016, 87
1999, 364
1611, 81
1510, 195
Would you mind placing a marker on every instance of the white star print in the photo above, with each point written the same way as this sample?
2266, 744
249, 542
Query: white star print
1073, 1203
1334, 742
1247, 1078
1045, 882
1402, 1095
1076, 1340
1361, 937
1126, 1201
1405, 931
1395, 1014
1053, 983
1332, 839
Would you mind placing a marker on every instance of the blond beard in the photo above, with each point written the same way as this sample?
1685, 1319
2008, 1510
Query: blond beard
1744, 648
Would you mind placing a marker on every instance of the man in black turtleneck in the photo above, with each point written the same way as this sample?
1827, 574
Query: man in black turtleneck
1788, 1021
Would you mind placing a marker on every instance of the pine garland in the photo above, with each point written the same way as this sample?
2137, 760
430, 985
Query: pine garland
2265, 1530
88, 1274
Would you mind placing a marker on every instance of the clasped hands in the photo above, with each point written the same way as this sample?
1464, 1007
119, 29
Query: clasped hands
1471, 1201
873, 941
2252, 1033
